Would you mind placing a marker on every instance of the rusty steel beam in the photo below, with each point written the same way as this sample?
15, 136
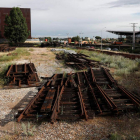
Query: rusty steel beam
25, 111
108, 100
82, 104
94, 97
8, 73
23, 73
49, 82
58, 90
55, 109
79, 82
109, 76
62, 80
130, 96
93, 76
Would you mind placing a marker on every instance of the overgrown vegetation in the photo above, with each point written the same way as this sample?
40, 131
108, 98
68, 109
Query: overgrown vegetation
31, 49
124, 70
19, 52
3, 69
5, 62
28, 130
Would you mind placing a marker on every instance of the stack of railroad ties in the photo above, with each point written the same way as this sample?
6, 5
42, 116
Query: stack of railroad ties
22, 75
78, 61
81, 95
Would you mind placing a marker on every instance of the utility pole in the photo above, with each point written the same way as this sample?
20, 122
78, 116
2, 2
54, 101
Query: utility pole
133, 47
81, 38
101, 38
67, 37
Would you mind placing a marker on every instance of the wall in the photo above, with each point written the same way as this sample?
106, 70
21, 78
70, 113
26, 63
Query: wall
5, 11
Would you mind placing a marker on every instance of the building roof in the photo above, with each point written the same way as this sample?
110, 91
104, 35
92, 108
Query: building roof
123, 32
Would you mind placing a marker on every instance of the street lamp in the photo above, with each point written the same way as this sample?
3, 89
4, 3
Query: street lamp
67, 39
81, 38
101, 37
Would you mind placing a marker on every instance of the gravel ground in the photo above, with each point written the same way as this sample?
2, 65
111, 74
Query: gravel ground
13, 99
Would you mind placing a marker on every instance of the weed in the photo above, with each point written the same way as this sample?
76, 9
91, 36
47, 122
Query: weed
3, 70
31, 50
115, 136
20, 53
122, 65
65, 75
27, 130
133, 138
59, 70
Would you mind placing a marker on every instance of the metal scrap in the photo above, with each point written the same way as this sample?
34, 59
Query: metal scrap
22, 75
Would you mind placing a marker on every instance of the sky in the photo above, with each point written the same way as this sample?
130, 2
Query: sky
86, 18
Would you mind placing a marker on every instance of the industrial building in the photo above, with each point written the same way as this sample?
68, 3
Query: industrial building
4, 11
128, 34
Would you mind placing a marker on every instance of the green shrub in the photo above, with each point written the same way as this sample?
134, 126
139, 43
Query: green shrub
3, 70
115, 136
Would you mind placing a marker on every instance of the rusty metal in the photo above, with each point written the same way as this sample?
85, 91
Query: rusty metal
84, 112
107, 99
7, 49
102, 76
109, 76
78, 61
135, 100
75, 96
22, 75
94, 97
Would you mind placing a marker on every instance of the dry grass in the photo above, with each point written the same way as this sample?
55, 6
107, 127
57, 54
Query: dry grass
20, 52
124, 70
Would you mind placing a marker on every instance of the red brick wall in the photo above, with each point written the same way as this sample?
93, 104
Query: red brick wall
4, 11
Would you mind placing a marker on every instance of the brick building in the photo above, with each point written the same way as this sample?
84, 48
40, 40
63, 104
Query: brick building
5, 11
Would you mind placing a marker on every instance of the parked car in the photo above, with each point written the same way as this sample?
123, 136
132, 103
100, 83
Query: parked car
92, 47
114, 49
108, 49
88, 47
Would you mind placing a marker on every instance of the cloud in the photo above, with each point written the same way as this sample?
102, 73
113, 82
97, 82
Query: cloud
53, 17
121, 3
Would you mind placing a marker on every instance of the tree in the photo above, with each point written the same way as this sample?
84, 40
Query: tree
98, 37
76, 38
49, 39
15, 29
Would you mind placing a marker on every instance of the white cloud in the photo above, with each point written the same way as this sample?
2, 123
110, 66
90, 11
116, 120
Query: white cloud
53, 17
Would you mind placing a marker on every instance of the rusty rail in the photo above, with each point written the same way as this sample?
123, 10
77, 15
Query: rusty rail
82, 104
30, 104
107, 99
133, 98
109, 76
94, 97
56, 105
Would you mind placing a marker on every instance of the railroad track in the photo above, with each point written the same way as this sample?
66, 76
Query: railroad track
82, 95
78, 61
127, 55
22, 75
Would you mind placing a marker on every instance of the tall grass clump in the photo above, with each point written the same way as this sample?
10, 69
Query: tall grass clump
27, 130
19, 52
123, 66
115, 136
3, 70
